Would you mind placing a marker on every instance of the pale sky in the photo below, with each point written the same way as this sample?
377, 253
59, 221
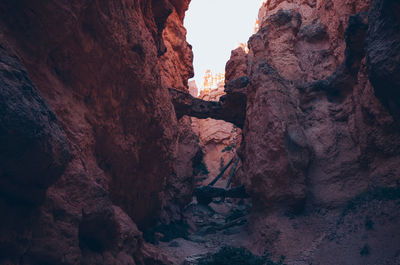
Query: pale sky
214, 28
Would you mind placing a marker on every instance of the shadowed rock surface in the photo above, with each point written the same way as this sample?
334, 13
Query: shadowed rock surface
317, 134
89, 75
96, 145
218, 139
230, 107
34, 150
383, 49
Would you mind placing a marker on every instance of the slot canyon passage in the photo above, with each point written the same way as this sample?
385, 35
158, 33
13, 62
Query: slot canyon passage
106, 153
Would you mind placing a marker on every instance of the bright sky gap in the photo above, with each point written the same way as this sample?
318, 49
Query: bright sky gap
215, 27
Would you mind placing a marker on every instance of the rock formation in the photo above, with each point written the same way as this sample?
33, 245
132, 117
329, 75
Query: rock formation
218, 139
383, 48
176, 69
230, 107
96, 144
88, 133
321, 132
320, 144
176, 63
332, 102
193, 89
34, 148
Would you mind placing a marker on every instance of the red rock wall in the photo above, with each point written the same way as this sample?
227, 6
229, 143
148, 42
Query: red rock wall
176, 69
326, 130
218, 139
176, 63
311, 45
319, 139
97, 65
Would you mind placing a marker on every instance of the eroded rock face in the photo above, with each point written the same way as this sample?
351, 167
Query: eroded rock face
383, 49
34, 149
292, 110
215, 111
218, 139
92, 91
180, 185
237, 65
176, 69
304, 40
276, 151
320, 133
177, 62
230, 107
86, 110
193, 89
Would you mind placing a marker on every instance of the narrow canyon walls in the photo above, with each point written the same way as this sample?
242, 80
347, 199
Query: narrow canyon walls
96, 144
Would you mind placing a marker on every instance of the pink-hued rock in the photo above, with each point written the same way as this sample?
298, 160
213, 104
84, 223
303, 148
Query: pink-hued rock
218, 139
176, 69
98, 67
276, 151
320, 150
317, 133
177, 62
193, 89
304, 40
180, 185
237, 65
95, 144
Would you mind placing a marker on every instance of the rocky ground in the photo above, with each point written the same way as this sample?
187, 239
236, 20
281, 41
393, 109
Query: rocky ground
203, 230
209, 228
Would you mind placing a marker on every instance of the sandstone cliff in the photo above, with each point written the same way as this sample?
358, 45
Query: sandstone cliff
88, 133
95, 144
175, 70
218, 139
320, 148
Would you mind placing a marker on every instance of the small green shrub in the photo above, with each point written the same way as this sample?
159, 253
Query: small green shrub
229, 148
199, 167
380, 194
369, 224
203, 169
221, 164
365, 251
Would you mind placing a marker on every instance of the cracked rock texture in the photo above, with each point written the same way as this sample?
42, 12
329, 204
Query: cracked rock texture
321, 136
218, 139
95, 144
88, 133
